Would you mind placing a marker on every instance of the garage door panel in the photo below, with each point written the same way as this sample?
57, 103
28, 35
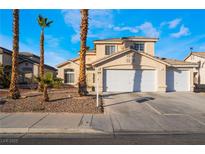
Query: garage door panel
178, 80
130, 80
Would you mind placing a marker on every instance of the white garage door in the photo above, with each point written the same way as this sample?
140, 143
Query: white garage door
178, 80
129, 80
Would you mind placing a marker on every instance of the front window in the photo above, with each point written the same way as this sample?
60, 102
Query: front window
139, 47
69, 76
109, 49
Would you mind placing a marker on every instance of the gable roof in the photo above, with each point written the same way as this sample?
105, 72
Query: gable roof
175, 62
166, 61
199, 54
125, 51
67, 62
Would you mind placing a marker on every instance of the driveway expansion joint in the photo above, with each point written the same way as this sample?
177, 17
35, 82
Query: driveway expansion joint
153, 109
6, 116
38, 121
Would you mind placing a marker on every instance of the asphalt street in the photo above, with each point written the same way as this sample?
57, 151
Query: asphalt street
90, 139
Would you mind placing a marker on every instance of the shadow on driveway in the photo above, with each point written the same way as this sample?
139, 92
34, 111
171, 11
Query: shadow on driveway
138, 100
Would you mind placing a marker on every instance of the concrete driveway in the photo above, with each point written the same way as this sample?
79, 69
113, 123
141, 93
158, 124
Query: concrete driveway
175, 112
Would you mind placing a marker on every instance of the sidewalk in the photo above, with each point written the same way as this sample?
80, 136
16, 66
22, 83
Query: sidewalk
101, 124
55, 123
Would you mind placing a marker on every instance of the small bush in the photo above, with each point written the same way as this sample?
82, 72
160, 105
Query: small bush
57, 82
5, 77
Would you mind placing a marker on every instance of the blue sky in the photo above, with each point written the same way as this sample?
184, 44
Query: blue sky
178, 30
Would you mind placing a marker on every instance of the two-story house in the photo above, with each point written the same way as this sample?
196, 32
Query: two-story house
28, 66
199, 74
129, 64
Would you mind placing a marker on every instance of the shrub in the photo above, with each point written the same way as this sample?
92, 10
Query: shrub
5, 77
57, 82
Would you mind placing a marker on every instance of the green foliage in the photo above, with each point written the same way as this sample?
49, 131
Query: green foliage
5, 76
50, 81
44, 22
37, 79
57, 82
49, 75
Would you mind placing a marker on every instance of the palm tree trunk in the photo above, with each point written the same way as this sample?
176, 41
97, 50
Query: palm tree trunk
82, 87
13, 90
45, 93
41, 66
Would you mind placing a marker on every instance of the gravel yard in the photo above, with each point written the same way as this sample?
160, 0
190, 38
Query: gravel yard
61, 100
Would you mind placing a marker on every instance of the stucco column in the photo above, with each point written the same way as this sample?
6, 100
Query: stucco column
161, 76
192, 80
99, 74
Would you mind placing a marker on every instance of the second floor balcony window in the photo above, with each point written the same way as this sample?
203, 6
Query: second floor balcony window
139, 47
109, 49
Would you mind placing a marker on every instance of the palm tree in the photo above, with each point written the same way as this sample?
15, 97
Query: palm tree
13, 90
43, 23
82, 87
46, 81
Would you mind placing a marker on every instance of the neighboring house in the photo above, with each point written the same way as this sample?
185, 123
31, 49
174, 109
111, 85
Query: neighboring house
28, 65
199, 74
129, 64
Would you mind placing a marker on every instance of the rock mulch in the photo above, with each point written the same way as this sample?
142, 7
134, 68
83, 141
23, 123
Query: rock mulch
61, 100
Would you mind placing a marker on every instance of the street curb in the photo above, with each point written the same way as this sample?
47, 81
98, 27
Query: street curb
87, 131
157, 133
50, 130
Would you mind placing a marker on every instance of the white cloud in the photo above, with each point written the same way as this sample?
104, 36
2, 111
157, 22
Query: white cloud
184, 31
52, 41
98, 19
149, 30
171, 24
174, 23
146, 28
126, 28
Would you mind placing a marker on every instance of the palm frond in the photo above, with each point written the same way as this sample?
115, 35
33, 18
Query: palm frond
40, 20
45, 19
49, 23
43, 22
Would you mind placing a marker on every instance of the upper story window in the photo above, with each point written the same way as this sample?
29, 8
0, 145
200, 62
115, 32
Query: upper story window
138, 47
109, 49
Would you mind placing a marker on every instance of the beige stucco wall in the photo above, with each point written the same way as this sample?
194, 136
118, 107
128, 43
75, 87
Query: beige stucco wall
201, 70
90, 58
134, 61
89, 79
70, 65
100, 49
75, 67
148, 46
129, 60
